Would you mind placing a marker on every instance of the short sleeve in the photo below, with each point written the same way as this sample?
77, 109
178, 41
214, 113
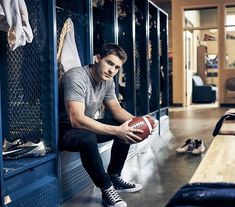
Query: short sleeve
75, 86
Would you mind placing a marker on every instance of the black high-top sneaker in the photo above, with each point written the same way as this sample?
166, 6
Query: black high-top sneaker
110, 198
122, 186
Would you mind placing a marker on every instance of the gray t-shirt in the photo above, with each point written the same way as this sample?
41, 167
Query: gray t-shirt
78, 85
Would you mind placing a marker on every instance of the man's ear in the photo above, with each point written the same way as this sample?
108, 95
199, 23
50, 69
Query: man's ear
97, 58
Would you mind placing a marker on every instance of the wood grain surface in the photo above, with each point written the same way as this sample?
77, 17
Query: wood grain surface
218, 164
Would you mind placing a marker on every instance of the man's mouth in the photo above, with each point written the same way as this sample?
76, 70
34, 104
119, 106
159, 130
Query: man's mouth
107, 75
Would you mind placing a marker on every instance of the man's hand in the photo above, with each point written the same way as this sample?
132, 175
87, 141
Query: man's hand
126, 133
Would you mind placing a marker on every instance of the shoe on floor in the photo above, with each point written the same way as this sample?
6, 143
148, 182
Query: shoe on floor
200, 147
122, 186
188, 146
21, 148
110, 198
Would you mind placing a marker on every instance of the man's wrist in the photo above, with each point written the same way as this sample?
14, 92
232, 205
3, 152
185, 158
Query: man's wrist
115, 130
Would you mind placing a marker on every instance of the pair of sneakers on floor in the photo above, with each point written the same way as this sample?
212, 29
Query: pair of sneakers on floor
110, 196
193, 146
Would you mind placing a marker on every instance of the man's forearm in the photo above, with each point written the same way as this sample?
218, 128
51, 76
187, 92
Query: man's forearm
90, 124
121, 115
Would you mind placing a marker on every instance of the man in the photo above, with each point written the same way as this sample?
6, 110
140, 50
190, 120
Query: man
85, 89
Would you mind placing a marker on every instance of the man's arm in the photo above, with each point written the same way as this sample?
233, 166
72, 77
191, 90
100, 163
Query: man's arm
119, 113
78, 119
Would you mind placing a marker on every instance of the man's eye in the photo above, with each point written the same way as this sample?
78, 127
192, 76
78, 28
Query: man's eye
110, 63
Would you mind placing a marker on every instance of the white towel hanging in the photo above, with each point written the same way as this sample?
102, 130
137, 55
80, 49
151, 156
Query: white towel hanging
67, 55
14, 20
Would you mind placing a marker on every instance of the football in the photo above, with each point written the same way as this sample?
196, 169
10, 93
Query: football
144, 123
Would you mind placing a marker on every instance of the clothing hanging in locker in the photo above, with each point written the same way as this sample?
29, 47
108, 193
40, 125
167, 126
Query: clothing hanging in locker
67, 55
14, 20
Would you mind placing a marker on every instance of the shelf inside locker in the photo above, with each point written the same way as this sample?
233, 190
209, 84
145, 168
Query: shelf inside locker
38, 192
13, 167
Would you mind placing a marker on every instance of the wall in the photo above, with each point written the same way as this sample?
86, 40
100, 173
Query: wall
177, 46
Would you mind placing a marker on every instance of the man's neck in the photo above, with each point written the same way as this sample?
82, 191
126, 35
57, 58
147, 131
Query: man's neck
94, 73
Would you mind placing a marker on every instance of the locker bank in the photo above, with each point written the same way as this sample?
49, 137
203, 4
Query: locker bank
176, 73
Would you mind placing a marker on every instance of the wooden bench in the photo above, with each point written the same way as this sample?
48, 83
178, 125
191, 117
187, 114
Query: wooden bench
228, 126
230, 111
218, 164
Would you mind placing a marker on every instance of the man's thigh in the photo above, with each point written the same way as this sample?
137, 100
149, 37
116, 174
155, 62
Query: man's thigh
72, 138
105, 138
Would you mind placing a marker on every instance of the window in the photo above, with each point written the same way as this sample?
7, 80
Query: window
203, 25
203, 17
230, 37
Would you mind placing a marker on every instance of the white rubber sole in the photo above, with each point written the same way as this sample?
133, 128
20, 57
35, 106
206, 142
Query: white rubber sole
131, 190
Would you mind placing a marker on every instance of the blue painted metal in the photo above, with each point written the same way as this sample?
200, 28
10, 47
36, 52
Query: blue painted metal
35, 176
54, 91
155, 61
1, 140
115, 37
16, 167
89, 31
73, 177
115, 22
126, 39
3, 109
142, 102
43, 192
54, 74
148, 58
165, 62
34, 105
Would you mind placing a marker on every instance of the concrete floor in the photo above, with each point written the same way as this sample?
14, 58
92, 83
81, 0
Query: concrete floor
161, 171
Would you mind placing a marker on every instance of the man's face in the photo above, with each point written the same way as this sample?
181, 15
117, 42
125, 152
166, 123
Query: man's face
107, 67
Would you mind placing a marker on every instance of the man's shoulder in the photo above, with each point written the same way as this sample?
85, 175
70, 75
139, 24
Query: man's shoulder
76, 72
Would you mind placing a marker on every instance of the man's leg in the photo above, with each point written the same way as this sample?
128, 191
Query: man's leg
119, 149
119, 154
85, 142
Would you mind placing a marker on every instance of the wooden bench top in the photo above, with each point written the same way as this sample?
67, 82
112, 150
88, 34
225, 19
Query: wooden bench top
228, 127
230, 111
218, 164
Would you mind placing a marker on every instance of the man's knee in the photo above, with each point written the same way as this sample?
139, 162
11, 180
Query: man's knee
88, 138
76, 139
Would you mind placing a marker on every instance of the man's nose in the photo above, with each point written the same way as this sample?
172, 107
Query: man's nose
111, 70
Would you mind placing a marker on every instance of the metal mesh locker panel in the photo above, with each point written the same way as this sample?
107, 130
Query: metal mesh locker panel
45, 196
79, 19
23, 86
140, 55
164, 60
125, 40
103, 23
154, 60
74, 181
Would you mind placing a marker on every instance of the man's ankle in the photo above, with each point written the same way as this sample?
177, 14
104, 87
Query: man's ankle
123, 186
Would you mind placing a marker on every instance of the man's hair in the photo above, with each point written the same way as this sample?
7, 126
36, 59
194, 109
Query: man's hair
112, 49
